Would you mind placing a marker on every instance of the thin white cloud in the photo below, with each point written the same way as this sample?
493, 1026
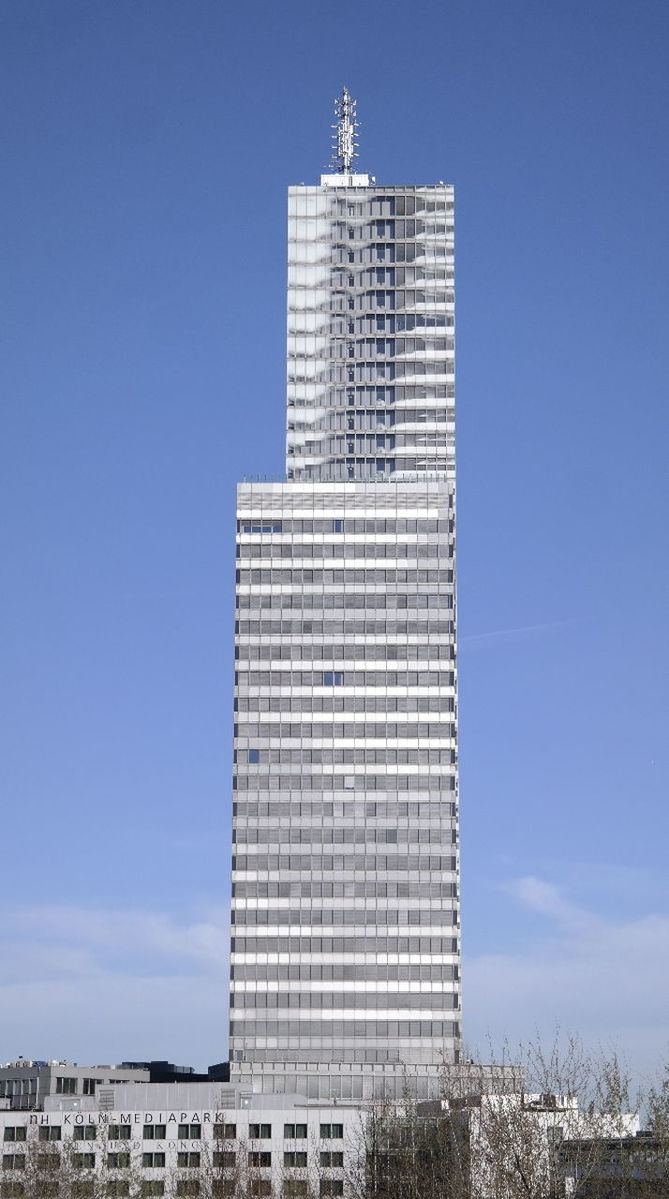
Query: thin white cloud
605, 980
128, 932
504, 636
98, 985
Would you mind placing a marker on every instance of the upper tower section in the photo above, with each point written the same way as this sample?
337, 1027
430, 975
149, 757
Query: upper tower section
371, 324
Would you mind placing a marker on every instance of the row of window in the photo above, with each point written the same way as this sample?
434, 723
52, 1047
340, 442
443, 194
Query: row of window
327, 371
321, 442
158, 1132
323, 1001
360, 652
353, 419
78, 1161
338, 1030
302, 707
404, 201
361, 755
379, 730
315, 888
420, 276
372, 322
372, 277
301, 371
348, 601
344, 836
358, 420
318, 837
344, 576
362, 782
348, 678
381, 295
359, 1051
366, 550
327, 460
349, 345
427, 527
433, 295
370, 252
340, 916
333, 626
220, 1188
348, 944
362, 395
379, 228
437, 809
348, 972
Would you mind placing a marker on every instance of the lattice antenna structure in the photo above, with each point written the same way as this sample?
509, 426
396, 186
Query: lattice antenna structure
344, 134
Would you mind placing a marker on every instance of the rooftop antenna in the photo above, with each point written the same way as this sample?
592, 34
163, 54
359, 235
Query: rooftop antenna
344, 144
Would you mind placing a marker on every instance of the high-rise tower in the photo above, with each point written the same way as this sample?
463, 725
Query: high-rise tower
345, 953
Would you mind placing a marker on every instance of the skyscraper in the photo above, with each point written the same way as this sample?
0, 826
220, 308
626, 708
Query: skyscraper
345, 947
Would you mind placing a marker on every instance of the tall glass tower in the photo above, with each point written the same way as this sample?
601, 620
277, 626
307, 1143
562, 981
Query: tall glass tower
345, 938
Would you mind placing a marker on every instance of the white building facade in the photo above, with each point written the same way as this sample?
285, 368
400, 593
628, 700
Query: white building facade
177, 1140
345, 939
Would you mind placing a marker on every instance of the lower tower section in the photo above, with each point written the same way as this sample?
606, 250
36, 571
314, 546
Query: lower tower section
345, 936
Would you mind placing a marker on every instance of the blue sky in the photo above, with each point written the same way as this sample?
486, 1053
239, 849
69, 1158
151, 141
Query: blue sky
148, 146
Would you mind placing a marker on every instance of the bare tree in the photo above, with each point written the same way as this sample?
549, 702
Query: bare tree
550, 1138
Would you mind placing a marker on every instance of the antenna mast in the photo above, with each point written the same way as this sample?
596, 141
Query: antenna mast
344, 144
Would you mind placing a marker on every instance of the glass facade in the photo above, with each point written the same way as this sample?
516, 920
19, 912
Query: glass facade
345, 936
371, 381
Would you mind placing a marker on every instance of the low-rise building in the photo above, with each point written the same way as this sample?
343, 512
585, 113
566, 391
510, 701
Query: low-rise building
25, 1084
174, 1139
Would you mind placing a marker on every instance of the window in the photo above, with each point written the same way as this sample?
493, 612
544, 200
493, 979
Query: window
83, 1190
225, 1132
221, 1188
190, 1132
153, 1132
47, 1133
260, 1159
254, 756
83, 1161
332, 1132
66, 1086
48, 1161
225, 1160
15, 1133
153, 1161
87, 1132
295, 1186
118, 1161
293, 1131
295, 1158
260, 1132
152, 1188
89, 1085
48, 1190
188, 1186
333, 678
332, 1186
119, 1132
261, 1187
188, 1161
273, 528
11, 1190
337, 526
118, 1187
14, 1161
332, 1158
